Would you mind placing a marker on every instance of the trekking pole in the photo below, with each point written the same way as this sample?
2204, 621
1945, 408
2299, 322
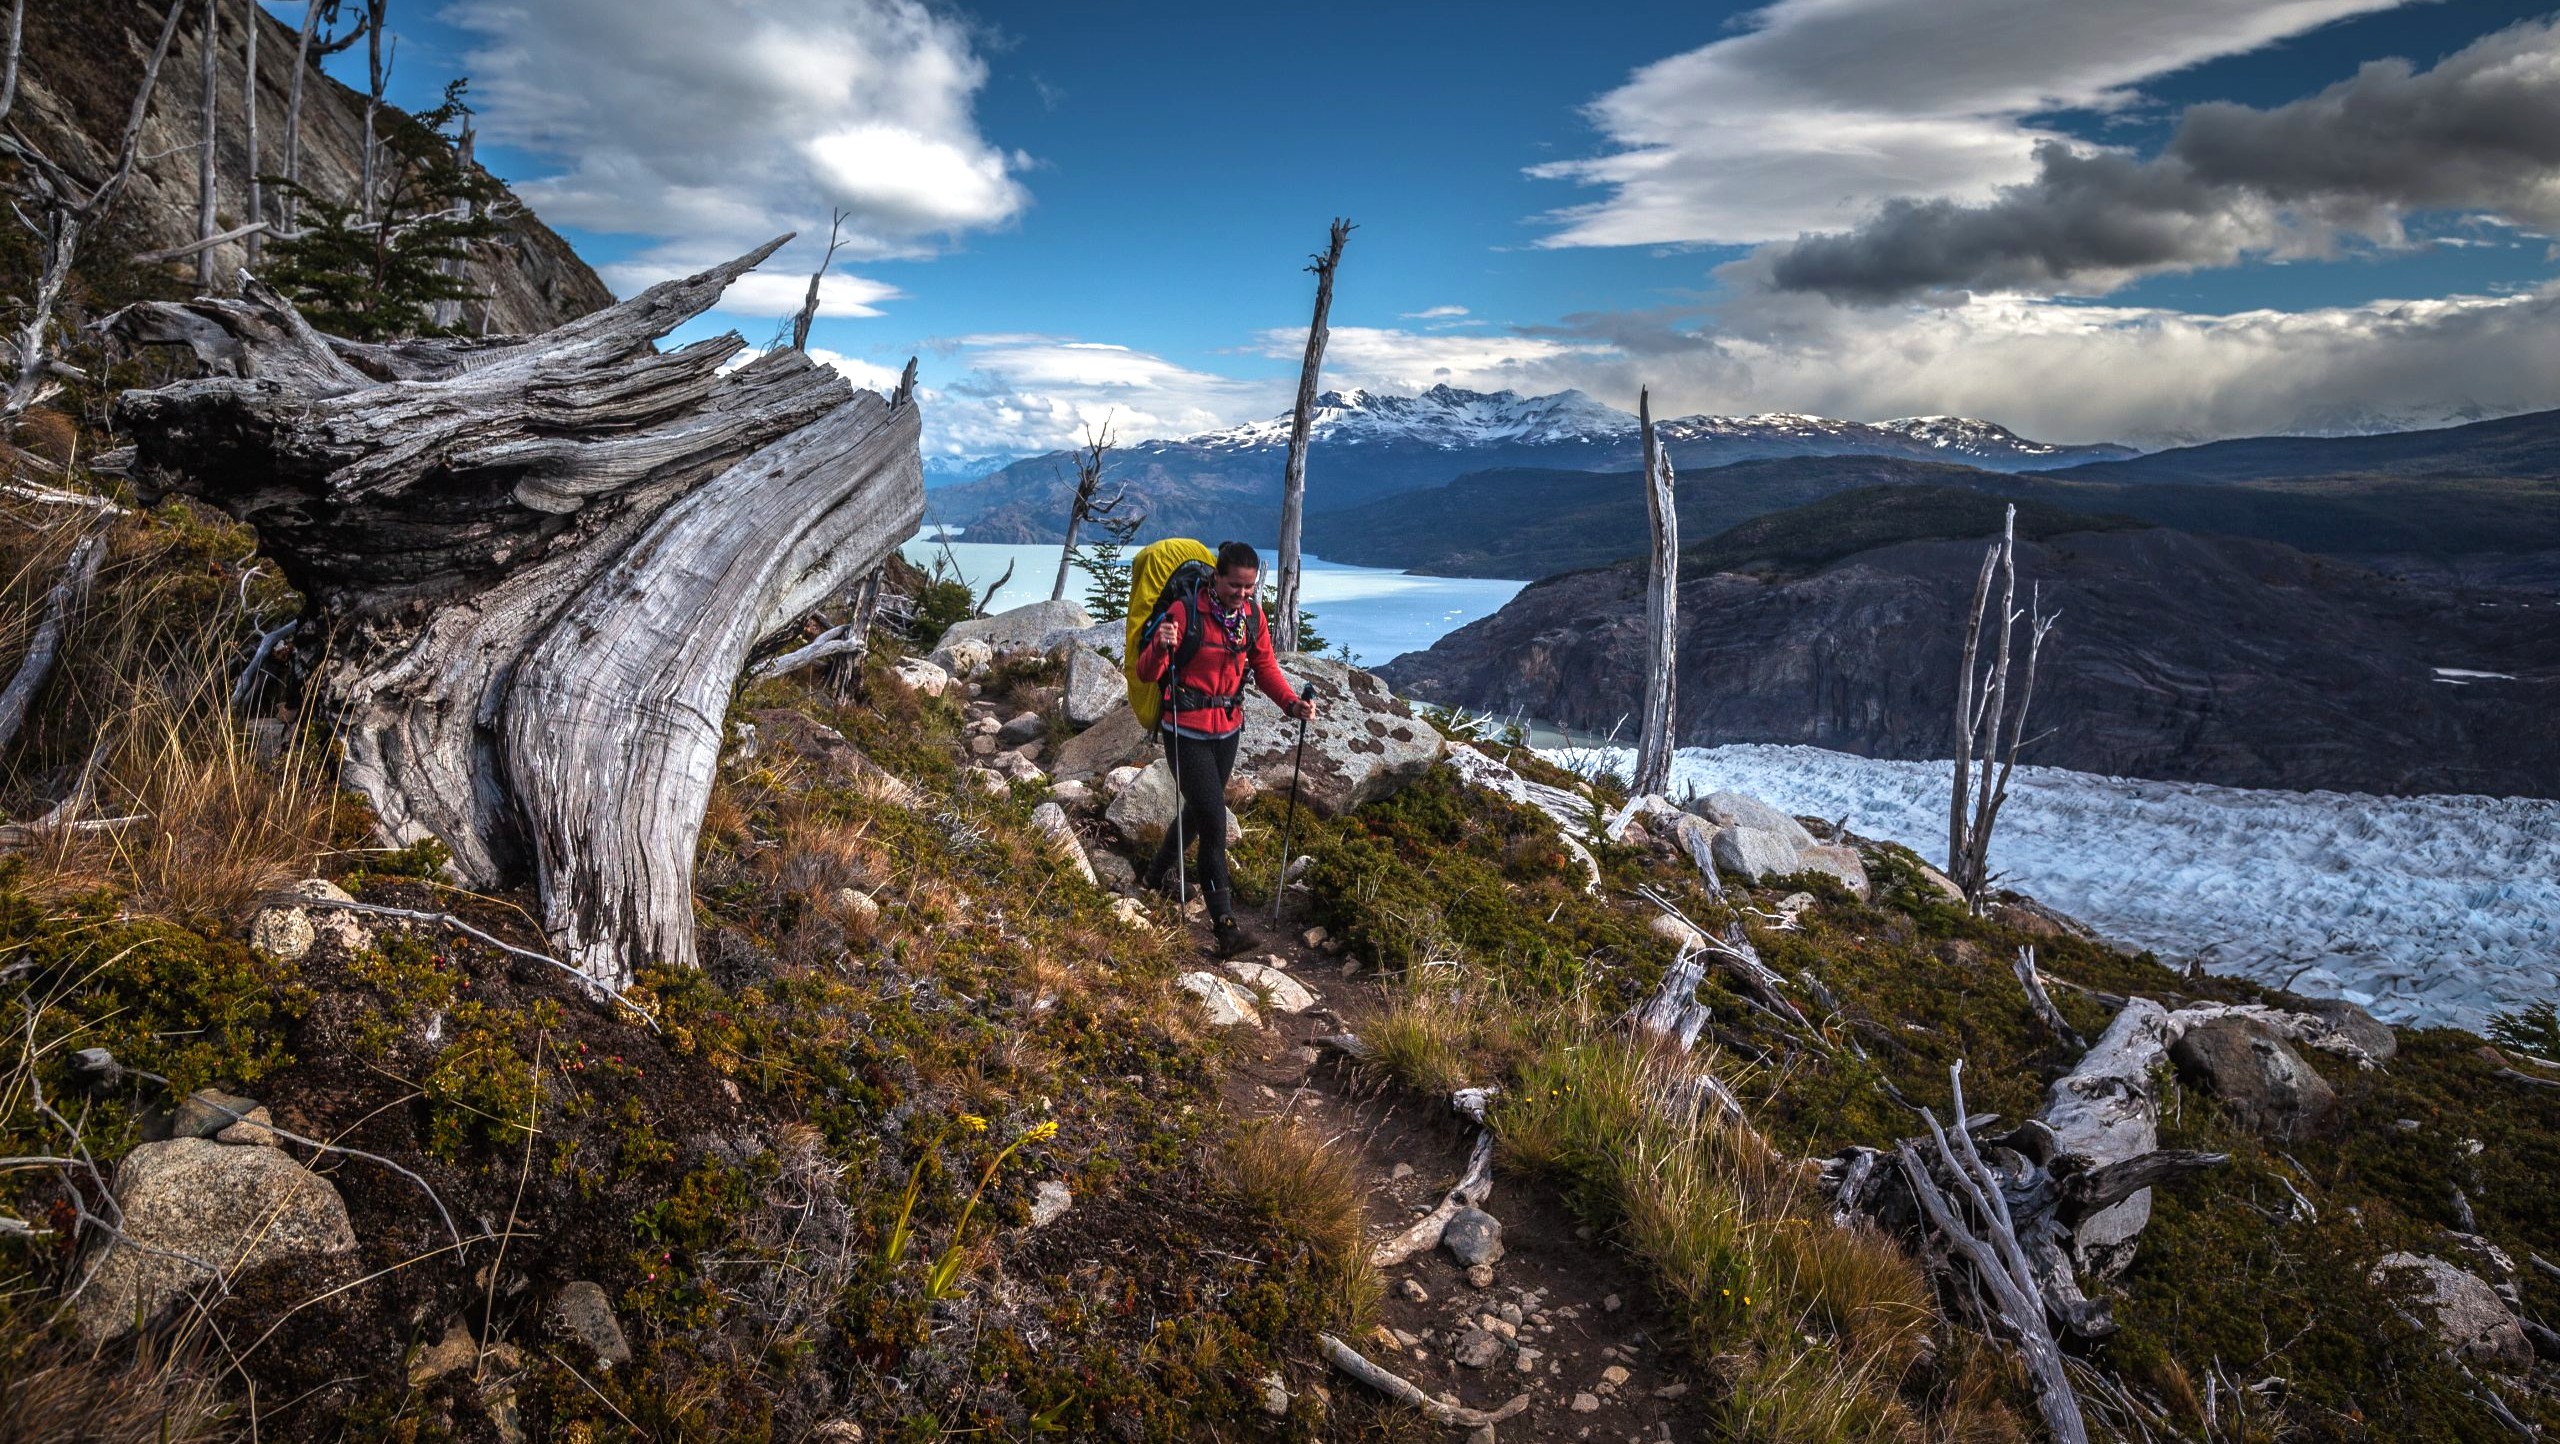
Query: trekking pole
1289, 821
1173, 759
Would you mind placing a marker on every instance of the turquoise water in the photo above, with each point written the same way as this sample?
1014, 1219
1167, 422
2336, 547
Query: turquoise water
1378, 614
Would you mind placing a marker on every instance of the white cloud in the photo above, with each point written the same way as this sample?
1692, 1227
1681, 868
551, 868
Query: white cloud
1025, 392
710, 126
1824, 109
1435, 313
770, 292
1386, 359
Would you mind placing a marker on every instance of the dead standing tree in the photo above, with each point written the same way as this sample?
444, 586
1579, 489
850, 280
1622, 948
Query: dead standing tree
208, 56
807, 315
1984, 759
539, 564
59, 209
1293, 483
1655, 738
1089, 504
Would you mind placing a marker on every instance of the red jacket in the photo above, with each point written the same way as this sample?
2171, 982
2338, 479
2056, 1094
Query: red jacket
1217, 669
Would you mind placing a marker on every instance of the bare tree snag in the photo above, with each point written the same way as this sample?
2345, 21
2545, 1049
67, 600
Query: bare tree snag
2042, 1001
808, 313
1983, 766
1293, 483
1088, 504
17, 51
538, 566
378, 73
59, 209
1655, 737
208, 48
293, 112
249, 113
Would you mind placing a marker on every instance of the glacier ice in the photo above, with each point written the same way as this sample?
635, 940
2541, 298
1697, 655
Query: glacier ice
2428, 910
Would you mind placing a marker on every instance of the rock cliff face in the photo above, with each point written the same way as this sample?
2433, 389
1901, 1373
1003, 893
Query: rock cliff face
82, 63
2179, 657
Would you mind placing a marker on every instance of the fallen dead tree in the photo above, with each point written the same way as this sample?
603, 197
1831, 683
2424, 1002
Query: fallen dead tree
537, 566
2075, 1182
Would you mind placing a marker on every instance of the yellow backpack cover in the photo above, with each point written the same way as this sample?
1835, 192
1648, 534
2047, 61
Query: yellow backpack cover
1153, 566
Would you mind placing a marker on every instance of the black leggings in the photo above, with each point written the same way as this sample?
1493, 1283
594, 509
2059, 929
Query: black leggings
1201, 765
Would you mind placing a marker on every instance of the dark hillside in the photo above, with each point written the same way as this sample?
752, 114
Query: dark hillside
2516, 446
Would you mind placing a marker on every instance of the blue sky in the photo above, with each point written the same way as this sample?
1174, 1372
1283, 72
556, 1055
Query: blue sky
1079, 212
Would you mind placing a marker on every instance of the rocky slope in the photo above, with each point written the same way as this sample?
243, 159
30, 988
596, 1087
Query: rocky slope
2179, 657
82, 63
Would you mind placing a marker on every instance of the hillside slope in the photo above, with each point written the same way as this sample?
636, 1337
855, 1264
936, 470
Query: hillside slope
2520, 446
2179, 657
77, 83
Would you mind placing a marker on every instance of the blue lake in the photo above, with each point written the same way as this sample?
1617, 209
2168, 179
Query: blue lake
1378, 614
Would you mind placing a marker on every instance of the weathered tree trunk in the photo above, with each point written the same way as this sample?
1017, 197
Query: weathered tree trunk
1983, 765
249, 111
287, 203
208, 48
808, 313
17, 51
1655, 739
1086, 505
1293, 484
378, 72
538, 565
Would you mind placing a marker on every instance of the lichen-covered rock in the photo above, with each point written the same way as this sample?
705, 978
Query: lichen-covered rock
208, 1111
1052, 821
288, 932
1050, 1202
2464, 1311
1145, 807
2361, 1028
189, 1202
919, 675
1364, 743
2256, 1076
1833, 859
964, 658
1109, 743
1277, 988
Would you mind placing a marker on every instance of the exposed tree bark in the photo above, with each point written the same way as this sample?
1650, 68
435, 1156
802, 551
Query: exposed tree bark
36, 667
808, 314
1984, 759
1087, 504
538, 566
249, 112
1293, 485
378, 73
208, 48
1655, 738
293, 113
17, 51
59, 209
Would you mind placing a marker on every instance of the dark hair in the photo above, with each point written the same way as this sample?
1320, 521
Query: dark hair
1236, 556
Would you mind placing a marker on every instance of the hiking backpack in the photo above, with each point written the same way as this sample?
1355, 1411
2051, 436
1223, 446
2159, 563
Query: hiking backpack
1173, 570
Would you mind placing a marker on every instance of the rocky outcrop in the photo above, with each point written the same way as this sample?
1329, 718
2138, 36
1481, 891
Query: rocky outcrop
194, 1209
2180, 657
78, 78
1364, 743
1036, 627
1759, 842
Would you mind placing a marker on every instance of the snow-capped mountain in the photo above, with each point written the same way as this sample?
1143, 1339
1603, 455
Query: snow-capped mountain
1369, 445
1449, 418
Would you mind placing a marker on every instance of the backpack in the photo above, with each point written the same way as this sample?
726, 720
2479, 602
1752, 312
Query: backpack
1173, 570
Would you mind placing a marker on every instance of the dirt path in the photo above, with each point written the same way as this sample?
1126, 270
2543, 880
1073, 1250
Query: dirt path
1575, 1325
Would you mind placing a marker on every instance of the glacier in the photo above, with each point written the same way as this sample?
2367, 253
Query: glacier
2432, 910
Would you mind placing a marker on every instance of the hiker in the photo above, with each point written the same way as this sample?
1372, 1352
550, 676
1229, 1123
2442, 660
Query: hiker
1206, 717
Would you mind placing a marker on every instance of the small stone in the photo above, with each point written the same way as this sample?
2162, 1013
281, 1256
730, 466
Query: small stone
918, 675
1510, 1314
1132, 914
454, 1351
1385, 1338
1526, 1361
250, 1130
1050, 1202
859, 908
837, 1431
1612, 1304
1473, 1237
1226, 1004
1671, 1391
1020, 728
1478, 1349
1586, 1403
1413, 1289
1481, 1276
581, 1311
1314, 937
1275, 1396
1285, 994
208, 1111
1483, 1435
982, 745
1401, 1171
1614, 1375
1069, 793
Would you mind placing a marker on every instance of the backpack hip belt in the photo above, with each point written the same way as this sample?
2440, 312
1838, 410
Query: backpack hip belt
1187, 698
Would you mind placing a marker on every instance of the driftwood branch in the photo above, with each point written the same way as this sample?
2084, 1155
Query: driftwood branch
1293, 481
537, 567
1473, 1187
2042, 1001
1350, 1361
45, 647
1656, 735
201, 244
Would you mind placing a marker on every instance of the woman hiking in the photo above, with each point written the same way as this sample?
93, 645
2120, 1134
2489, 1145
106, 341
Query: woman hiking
1206, 716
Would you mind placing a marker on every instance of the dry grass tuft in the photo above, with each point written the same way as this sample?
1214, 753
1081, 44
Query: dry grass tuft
58, 1393
1285, 1172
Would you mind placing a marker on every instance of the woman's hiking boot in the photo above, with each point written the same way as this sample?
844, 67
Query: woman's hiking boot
1231, 936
